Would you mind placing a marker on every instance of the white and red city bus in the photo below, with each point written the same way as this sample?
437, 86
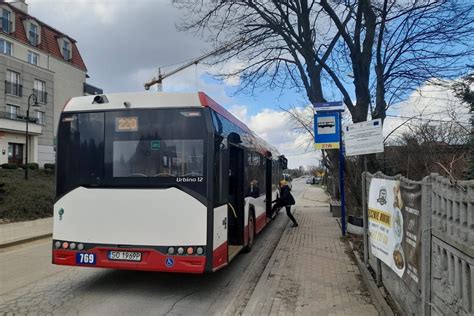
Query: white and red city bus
158, 181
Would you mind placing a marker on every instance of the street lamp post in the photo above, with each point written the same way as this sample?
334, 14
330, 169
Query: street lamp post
31, 97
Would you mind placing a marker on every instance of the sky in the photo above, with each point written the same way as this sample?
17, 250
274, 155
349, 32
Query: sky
124, 42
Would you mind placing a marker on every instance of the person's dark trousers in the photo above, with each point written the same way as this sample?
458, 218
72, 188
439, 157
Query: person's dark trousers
275, 207
292, 218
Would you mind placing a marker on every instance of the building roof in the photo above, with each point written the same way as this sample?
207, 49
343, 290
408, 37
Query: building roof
49, 38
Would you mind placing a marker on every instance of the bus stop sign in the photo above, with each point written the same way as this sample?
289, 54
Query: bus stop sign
327, 130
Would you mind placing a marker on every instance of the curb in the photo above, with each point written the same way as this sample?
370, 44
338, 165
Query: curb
380, 302
231, 305
22, 241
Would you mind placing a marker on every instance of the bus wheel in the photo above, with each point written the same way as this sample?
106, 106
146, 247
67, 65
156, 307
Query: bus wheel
251, 233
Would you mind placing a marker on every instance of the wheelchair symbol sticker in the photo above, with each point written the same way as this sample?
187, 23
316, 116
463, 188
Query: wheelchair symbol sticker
169, 262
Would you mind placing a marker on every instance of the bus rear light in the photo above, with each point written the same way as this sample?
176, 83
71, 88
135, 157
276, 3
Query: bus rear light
80, 247
180, 250
57, 244
199, 251
72, 246
171, 250
190, 250
65, 245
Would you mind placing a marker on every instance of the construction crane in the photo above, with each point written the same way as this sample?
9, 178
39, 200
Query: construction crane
159, 81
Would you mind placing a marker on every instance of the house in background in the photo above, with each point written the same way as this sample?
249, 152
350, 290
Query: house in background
35, 59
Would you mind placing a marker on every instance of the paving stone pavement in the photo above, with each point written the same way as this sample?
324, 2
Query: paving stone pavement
311, 271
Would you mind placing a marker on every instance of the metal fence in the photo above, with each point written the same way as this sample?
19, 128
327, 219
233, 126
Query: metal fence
447, 250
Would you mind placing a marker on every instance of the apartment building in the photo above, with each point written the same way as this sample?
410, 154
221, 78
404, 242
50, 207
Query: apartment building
36, 62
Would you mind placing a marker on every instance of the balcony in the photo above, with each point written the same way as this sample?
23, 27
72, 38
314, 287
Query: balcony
6, 26
13, 88
41, 96
16, 122
19, 116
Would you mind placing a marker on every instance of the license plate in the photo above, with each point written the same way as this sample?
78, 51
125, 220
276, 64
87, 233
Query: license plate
125, 255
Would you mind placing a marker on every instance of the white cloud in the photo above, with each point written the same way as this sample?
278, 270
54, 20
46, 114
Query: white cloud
429, 102
274, 127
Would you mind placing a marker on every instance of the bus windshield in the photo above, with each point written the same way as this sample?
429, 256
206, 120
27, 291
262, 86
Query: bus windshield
131, 148
158, 158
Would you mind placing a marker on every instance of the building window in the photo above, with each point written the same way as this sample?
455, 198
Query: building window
66, 49
40, 117
33, 34
39, 89
12, 84
6, 24
33, 58
12, 111
5, 47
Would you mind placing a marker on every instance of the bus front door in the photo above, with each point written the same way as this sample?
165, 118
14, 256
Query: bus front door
236, 198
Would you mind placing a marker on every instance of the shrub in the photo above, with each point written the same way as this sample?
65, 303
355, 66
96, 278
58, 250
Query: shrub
26, 200
9, 166
50, 166
31, 166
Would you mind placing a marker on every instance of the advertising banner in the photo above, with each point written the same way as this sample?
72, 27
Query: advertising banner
395, 226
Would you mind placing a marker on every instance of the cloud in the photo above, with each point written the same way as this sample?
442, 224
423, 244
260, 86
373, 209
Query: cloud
429, 103
275, 127
118, 39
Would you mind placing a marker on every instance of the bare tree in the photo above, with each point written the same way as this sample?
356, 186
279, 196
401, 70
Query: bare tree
308, 45
418, 41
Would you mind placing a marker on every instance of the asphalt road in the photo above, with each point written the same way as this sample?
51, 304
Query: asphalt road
29, 283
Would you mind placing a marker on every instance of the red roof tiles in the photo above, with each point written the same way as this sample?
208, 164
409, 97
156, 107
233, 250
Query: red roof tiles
49, 38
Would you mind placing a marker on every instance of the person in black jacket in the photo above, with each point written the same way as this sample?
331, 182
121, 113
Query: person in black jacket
286, 200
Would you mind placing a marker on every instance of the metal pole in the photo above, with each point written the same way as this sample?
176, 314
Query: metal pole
30, 97
365, 214
341, 178
26, 153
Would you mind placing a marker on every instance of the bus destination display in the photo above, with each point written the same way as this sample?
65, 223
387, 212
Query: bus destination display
126, 124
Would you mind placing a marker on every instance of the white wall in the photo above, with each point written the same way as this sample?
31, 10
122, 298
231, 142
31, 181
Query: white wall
68, 82
46, 154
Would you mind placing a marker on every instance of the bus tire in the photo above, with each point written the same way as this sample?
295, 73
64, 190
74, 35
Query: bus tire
251, 232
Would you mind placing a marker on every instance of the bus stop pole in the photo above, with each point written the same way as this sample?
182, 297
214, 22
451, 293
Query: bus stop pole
341, 179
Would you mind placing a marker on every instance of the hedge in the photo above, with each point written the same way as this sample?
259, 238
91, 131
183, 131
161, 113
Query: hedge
9, 166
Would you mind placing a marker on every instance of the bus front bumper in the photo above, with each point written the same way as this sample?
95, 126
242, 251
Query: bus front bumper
151, 260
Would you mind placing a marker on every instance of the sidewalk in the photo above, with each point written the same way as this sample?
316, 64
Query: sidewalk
14, 233
310, 272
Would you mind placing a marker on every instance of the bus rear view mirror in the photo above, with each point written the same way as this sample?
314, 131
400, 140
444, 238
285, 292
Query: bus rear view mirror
283, 162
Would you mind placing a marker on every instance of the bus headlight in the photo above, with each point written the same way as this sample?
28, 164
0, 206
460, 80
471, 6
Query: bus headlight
80, 247
171, 250
57, 244
180, 250
190, 250
199, 251
72, 246
65, 245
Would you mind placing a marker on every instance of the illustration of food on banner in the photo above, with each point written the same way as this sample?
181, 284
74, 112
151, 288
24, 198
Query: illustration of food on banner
394, 226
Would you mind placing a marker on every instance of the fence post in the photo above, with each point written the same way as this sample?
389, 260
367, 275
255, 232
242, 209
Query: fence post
378, 273
425, 273
365, 219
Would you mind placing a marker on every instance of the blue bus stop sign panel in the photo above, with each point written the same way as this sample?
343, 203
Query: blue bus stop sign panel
326, 130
